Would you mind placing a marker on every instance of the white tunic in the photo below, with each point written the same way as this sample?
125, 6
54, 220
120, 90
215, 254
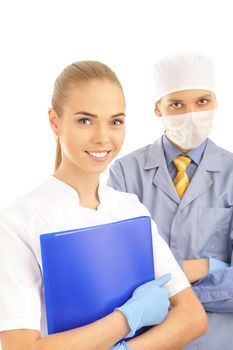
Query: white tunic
54, 206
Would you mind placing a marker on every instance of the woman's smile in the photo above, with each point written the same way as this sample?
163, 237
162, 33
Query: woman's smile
99, 156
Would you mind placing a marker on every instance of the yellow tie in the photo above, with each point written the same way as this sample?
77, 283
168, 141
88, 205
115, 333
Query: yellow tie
181, 180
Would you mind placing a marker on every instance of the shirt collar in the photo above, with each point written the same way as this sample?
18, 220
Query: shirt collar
172, 152
211, 160
61, 190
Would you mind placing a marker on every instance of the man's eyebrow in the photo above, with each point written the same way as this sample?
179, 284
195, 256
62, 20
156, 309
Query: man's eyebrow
88, 114
174, 100
206, 95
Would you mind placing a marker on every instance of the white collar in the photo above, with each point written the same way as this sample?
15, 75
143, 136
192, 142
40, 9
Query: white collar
62, 190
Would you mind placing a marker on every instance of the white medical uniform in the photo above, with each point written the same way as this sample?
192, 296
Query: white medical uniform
54, 206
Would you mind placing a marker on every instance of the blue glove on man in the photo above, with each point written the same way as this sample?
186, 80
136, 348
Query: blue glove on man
148, 305
216, 264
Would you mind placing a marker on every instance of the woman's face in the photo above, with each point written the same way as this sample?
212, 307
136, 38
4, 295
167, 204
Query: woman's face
186, 101
91, 129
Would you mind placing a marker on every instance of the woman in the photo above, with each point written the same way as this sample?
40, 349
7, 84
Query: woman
87, 117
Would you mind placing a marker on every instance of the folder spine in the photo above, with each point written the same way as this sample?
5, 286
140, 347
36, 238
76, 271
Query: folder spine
48, 300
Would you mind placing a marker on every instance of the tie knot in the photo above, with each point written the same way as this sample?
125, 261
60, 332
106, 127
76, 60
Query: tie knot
182, 162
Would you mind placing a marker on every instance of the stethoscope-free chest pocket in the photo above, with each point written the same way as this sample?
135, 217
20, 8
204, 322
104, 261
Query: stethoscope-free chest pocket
214, 226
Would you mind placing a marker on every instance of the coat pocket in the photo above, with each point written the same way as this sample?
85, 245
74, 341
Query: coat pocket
214, 227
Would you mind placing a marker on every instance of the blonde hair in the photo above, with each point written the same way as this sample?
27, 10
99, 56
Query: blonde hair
77, 72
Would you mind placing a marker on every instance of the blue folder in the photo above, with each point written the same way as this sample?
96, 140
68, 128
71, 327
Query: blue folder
90, 271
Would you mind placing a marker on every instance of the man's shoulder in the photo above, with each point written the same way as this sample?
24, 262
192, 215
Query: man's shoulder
139, 155
135, 155
225, 154
218, 158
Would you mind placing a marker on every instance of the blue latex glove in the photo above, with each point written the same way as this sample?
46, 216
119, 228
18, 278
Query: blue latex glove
215, 264
120, 346
148, 305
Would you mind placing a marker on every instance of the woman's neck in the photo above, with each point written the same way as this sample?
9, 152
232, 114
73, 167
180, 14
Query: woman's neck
86, 186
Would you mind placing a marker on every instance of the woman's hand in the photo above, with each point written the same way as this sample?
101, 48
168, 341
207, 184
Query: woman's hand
148, 305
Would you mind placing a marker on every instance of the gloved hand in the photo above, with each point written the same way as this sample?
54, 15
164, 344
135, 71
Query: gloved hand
216, 264
148, 305
120, 346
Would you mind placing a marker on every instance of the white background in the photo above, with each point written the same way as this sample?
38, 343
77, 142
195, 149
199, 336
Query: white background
39, 38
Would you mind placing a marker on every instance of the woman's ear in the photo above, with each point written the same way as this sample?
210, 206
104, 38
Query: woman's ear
157, 109
54, 121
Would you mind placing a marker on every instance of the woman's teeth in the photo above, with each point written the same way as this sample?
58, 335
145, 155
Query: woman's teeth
98, 154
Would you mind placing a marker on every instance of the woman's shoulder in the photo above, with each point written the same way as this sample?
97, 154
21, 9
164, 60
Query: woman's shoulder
124, 200
28, 202
114, 194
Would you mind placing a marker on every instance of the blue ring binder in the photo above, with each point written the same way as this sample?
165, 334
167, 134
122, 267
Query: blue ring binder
90, 271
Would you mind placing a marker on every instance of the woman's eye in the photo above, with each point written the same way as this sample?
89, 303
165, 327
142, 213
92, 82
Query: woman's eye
84, 121
117, 122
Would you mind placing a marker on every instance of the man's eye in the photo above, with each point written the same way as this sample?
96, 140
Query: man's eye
84, 121
203, 101
176, 105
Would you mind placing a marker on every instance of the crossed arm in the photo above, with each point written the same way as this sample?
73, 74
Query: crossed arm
177, 330
215, 289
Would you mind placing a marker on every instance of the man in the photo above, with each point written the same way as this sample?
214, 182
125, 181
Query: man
186, 182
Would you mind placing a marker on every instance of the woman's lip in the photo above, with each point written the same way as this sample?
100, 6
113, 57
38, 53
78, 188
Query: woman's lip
99, 151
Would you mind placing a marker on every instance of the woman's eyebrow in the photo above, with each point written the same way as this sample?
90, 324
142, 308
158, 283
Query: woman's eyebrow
118, 115
88, 114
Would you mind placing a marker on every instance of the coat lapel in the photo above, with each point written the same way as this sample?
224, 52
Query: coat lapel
202, 180
200, 183
162, 179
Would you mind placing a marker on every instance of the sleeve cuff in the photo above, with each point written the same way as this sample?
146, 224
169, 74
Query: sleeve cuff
19, 323
180, 263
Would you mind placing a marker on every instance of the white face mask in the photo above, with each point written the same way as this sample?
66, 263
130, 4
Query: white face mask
189, 130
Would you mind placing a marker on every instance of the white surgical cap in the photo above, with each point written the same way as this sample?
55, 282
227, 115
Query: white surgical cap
185, 71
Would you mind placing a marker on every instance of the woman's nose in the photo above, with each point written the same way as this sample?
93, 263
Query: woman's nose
101, 135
